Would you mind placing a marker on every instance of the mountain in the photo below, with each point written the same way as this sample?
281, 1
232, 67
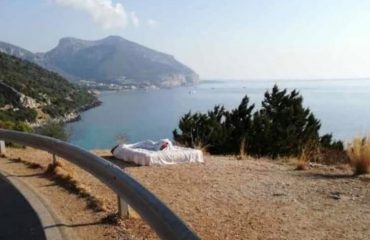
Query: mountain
17, 51
109, 60
29, 93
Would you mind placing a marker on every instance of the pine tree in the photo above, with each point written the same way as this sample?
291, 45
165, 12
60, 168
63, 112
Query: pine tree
283, 126
238, 124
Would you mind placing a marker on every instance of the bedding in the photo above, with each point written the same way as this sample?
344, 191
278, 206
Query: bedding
163, 152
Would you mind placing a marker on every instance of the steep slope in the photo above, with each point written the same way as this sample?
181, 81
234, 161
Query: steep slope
18, 52
31, 93
111, 60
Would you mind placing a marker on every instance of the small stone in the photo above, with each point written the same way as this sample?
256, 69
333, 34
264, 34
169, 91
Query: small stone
278, 194
336, 195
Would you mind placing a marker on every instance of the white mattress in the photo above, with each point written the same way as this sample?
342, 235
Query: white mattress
143, 154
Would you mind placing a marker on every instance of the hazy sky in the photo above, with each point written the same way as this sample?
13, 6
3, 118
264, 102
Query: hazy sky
242, 39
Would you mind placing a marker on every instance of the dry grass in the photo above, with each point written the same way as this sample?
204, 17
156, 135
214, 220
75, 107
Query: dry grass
301, 166
202, 147
112, 219
333, 157
31, 165
59, 174
242, 154
314, 154
62, 177
359, 154
304, 160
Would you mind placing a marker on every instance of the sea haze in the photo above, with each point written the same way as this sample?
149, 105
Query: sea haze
341, 105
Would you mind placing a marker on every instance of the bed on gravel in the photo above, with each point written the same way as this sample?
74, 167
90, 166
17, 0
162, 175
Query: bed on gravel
163, 152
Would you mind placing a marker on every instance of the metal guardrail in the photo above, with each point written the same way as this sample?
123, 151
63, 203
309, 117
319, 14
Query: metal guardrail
163, 221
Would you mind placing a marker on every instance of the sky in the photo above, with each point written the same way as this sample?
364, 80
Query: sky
219, 39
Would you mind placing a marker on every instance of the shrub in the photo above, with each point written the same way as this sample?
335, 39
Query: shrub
326, 141
23, 114
282, 127
218, 131
301, 165
238, 125
18, 126
6, 124
53, 129
206, 130
22, 126
359, 154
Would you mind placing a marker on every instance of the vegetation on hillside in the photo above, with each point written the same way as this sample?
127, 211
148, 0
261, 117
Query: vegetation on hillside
50, 94
54, 129
282, 127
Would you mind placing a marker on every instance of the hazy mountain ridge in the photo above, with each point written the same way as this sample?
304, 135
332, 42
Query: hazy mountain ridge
109, 60
18, 52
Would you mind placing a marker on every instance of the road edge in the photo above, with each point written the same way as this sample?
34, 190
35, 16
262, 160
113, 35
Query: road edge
52, 226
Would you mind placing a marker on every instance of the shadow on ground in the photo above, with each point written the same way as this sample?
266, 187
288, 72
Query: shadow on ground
331, 176
120, 163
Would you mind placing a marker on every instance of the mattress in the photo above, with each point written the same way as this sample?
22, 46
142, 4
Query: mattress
148, 153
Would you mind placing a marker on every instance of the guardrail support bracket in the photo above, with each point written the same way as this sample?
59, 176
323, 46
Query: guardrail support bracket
122, 208
2, 147
54, 160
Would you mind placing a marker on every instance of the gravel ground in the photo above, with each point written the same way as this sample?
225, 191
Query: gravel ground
223, 199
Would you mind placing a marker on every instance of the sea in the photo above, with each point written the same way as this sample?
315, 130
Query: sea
343, 107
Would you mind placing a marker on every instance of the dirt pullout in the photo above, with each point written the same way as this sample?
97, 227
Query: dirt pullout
73, 209
259, 199
229, 199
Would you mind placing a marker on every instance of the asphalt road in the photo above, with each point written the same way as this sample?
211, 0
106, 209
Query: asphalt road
18, 221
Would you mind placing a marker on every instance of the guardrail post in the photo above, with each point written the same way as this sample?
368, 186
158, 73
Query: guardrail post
2, 147
122, 208
54, 160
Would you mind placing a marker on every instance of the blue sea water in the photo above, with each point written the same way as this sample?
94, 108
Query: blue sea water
341, 105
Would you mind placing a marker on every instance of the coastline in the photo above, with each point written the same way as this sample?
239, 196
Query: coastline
76, 115
70, 117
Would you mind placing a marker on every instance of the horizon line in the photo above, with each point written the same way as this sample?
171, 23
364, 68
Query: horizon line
284, 79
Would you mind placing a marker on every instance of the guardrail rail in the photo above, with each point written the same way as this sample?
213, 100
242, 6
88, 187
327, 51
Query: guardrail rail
162, 220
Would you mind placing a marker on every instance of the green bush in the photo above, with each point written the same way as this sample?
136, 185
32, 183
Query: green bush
202, 129
23, 114
282, 127
18, 126
238, 125
54, 129
327, 141
219, 131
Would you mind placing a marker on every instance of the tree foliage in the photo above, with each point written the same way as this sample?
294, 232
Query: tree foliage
18, 126
282, 127
218, 130
54, 129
